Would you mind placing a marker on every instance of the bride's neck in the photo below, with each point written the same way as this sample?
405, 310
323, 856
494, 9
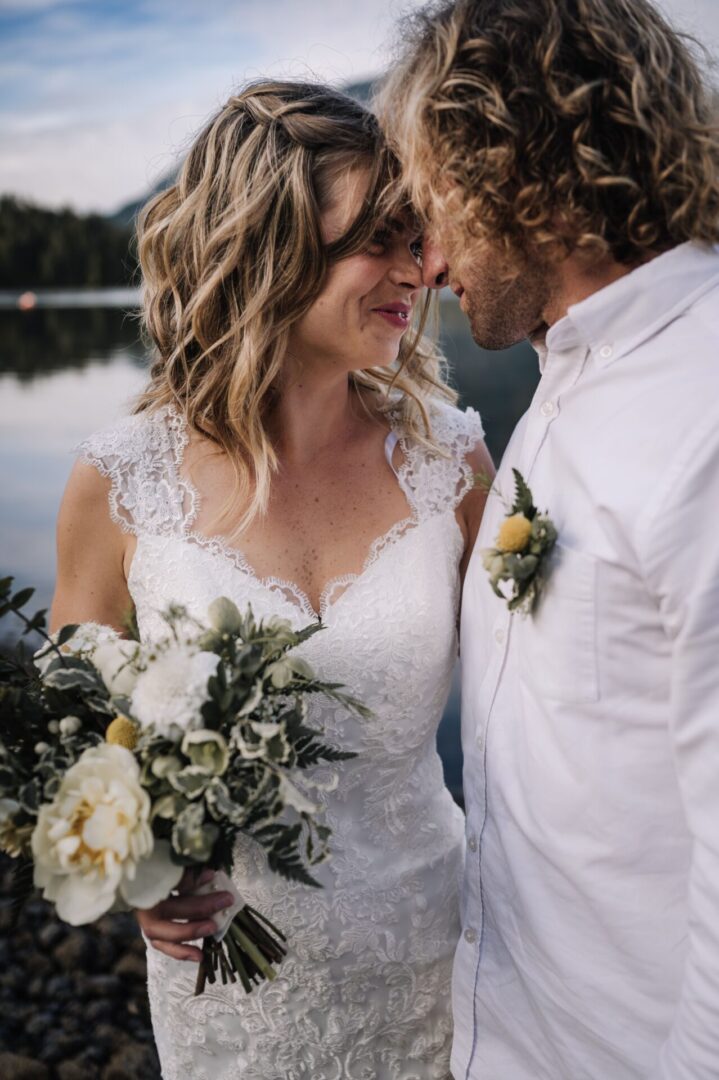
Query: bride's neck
313, 412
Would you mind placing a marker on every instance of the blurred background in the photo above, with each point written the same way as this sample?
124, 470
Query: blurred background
99, 100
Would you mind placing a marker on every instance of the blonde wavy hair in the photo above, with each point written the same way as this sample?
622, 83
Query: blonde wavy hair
232, 255
556, 125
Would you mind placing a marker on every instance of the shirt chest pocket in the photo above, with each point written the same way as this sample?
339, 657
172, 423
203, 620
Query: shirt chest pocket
558, 643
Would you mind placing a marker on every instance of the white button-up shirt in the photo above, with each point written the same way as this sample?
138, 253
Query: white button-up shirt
590, 945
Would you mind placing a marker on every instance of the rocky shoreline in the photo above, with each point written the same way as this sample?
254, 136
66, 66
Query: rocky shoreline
73, 1001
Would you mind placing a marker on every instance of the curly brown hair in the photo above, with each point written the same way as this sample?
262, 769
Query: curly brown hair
537, 122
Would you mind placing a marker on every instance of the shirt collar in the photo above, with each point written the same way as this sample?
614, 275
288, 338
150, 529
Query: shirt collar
621, 316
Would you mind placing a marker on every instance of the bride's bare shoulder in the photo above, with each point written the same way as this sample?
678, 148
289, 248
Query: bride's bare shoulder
91, 553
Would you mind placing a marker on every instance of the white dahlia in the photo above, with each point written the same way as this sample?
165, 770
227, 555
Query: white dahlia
173, 688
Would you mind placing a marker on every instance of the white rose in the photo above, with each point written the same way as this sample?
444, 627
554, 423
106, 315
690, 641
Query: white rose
117, 663
84, 642
173, 689
93, 844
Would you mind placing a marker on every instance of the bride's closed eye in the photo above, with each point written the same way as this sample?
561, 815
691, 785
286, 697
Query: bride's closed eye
415, 247
382, 238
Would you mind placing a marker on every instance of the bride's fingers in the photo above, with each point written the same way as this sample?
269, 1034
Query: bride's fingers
177, 952
191, 880
174, 932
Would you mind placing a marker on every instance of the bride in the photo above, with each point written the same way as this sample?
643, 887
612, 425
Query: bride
297, 450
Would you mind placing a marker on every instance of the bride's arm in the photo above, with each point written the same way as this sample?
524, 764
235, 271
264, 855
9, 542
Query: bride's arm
471, 508
92, 552
93, 555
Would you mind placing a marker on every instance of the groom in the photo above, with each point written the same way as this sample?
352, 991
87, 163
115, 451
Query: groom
562, 153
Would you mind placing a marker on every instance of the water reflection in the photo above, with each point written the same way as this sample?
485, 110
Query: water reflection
34, 343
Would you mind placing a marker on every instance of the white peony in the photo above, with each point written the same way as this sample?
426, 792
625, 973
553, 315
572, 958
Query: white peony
93, 844
173, 688
86, 639
117, 662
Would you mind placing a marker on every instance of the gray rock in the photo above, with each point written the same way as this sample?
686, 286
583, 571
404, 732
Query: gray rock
76, 1069
50, 935
72, 953
17, 1067
131, 1061
131, 966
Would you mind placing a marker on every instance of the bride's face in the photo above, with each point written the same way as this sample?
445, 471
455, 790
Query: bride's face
365, 306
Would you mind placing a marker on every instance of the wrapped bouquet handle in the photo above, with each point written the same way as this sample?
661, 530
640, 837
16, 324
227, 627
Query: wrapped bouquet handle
245, 945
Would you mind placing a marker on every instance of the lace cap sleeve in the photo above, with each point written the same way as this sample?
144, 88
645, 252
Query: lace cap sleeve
141, 456
436, 482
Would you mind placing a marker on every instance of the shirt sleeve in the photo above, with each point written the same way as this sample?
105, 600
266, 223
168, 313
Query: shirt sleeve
681, 542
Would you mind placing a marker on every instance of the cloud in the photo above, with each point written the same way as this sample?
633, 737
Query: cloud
94, 102
96, 98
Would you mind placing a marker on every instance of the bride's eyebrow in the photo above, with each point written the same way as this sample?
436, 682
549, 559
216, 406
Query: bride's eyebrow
407, 224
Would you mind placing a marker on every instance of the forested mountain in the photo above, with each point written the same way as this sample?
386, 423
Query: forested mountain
42, 248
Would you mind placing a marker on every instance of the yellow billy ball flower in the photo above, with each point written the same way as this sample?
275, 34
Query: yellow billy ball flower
122, 732
514, 533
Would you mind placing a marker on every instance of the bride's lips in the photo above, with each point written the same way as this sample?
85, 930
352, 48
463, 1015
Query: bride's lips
395, 314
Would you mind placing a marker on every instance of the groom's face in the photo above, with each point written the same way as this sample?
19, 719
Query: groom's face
504, 301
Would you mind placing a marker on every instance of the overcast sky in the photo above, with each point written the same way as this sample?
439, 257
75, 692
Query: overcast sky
98, 97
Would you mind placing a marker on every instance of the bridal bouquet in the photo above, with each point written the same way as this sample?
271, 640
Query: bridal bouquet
124, 762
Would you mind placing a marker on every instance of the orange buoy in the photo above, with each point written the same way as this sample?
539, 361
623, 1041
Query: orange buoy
27, 301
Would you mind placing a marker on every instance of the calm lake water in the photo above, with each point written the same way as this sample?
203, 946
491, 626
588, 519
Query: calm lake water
74, 363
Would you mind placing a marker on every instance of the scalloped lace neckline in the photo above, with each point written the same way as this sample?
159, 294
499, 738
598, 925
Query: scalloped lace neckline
217, 545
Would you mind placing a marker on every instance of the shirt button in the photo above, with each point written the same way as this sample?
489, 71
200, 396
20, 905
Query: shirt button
499, 635
606, 351
479, 740
548, 408
472, 843
470, 936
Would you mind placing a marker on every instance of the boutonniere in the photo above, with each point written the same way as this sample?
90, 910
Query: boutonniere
524, 543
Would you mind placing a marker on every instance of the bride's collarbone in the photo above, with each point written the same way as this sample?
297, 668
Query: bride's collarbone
321, 521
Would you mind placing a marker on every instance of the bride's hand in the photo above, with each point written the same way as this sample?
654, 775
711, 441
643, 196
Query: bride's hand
161, 924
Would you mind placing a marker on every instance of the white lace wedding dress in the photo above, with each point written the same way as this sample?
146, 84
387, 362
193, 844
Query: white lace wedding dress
364, 993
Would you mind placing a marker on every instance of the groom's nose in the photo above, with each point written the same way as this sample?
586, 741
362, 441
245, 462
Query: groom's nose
435, 271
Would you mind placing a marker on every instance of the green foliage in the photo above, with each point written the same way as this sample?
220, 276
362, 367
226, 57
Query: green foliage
523, 501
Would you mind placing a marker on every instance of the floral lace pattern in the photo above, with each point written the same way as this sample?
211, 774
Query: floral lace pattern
365, 991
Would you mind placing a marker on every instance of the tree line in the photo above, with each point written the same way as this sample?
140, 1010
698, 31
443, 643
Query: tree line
42, 248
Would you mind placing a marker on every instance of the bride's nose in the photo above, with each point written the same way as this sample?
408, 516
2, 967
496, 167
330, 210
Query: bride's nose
435, 270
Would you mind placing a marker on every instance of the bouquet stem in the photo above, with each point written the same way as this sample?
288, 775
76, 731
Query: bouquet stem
251, 945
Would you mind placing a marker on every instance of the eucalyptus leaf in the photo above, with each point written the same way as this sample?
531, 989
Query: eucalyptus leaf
65, 633
21, 598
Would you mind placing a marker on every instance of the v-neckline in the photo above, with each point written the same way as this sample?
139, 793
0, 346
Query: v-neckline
218, 545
